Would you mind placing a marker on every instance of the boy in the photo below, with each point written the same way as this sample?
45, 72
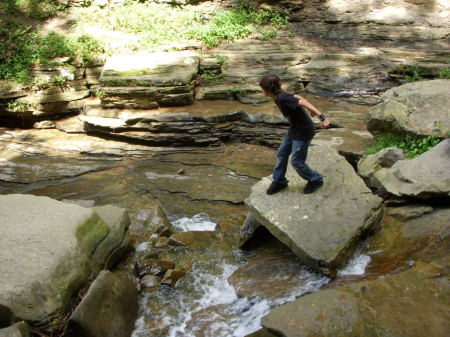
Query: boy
298, 138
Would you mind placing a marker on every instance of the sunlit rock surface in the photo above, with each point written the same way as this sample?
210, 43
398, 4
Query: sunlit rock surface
321, 228
420, 108
148, 80
425, 176
60, 245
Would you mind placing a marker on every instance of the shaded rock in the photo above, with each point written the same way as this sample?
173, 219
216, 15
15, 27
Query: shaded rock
6, 316
409, 212
118, 221
57, 242
20, 329
320, 228
71, 125
390, 306
374, 166
424, 176
414, 108
162, 230
172, 276
108, 309
44, 125
261, 333
161, 242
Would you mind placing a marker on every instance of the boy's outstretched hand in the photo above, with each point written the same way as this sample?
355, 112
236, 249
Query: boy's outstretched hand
325, 124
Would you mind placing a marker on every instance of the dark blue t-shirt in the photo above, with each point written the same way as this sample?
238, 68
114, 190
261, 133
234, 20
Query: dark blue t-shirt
301, 126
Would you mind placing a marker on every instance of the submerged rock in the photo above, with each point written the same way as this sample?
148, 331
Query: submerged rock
390, 306
108, 309
60, 246
417, 108
321, 228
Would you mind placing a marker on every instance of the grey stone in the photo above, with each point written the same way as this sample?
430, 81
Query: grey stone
44, 125
417, 108
425, 176
373, 167
20, 329
108, 309
57, 240
409, 212
319, 228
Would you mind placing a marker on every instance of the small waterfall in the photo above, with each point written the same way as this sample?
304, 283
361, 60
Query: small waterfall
204, 304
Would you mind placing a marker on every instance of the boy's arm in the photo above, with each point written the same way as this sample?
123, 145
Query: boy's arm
314, 111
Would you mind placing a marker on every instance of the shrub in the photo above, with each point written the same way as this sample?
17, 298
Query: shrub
21, 48
411, 146
36, 9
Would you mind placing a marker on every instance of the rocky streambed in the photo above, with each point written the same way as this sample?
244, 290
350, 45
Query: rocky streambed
186, 209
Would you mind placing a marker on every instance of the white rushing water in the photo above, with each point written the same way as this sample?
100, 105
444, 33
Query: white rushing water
204, 304
356, 266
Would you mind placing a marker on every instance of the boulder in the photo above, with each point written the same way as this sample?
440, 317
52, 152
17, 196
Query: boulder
425, 176
417, 108
390, 306
108, 309
49, 249
321, 228
374, 166
20, 329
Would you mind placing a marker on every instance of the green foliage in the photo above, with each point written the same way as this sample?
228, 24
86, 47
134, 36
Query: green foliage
411, 146
221, 59
239, 22
445, 73
19, 106
35, 9
21, 48
411, 73
156, 24
210, 76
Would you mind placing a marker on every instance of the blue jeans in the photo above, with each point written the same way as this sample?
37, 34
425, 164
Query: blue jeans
299, 151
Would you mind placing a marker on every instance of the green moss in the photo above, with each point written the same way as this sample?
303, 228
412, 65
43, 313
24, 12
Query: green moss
91, 233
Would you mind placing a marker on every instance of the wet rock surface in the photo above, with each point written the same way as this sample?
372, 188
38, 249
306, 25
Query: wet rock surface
20, 329
109, 308
371, 307
319, 228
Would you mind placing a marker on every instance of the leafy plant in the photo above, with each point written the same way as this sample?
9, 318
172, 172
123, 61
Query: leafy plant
445, 73
36, 9
412, 72
411, 146
221, 59
211, 77
21, 48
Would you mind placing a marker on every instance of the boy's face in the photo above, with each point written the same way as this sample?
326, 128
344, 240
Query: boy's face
267, 94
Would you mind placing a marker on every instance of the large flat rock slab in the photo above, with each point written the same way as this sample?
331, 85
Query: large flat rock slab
49, 249
321, 228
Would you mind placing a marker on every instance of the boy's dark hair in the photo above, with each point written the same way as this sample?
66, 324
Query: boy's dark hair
271, 83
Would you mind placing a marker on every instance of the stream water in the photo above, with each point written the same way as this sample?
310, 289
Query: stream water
227, 291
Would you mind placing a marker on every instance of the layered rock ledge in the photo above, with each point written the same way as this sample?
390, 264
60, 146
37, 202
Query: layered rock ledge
322, 228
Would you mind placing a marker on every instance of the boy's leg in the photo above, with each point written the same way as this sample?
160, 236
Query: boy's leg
279, 172
298, 160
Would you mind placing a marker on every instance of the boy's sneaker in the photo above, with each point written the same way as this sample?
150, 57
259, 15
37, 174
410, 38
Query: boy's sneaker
312, 186
275, 187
